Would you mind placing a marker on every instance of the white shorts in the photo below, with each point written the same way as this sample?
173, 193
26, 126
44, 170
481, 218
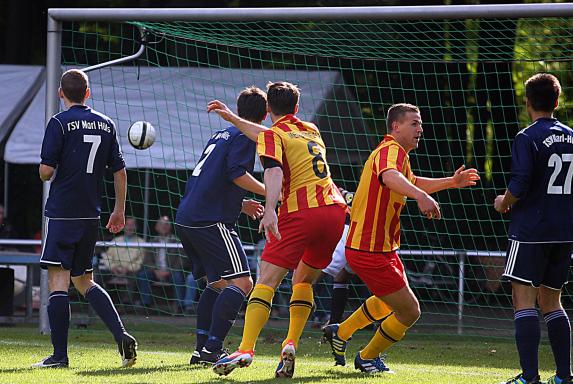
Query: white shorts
338, 257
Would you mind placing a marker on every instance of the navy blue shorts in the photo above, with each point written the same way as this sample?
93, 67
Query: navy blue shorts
538, 264
215, 251
70, 244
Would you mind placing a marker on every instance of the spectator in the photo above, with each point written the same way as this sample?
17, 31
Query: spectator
163, 265
125, 261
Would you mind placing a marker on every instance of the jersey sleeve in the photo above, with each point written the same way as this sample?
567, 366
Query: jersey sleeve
389, 157
523, 155
241, 157
52, 143
269, 144
115, 159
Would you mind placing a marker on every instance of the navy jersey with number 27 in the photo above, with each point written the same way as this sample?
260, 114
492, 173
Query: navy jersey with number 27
80, 143
541, 177
210, 194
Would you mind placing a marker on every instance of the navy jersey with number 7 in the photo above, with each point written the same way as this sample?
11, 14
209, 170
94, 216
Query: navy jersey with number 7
541, 177
211, 196
80, 143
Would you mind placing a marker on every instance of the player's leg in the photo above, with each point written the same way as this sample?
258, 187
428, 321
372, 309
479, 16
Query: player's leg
340, 291
556, 319
256, 316
58, 316
322, 227
100, 301
225, 310
189, 238
525, 266
57, 254
235, 284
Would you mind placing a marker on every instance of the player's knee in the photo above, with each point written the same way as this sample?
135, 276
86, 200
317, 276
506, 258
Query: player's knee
219, 284
244, 283
82, 283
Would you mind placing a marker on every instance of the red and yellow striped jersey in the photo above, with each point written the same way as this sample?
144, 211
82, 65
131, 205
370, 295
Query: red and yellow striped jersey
298, 147
375, 215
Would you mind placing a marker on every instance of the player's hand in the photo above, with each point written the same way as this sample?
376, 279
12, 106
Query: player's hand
465, 177
429, 207
498, 204
221, 109
253, 209
270, 224
161, 275
116, 222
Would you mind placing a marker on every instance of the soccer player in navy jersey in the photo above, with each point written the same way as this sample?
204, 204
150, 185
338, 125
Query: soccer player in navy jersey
206, 220
540, 236
79, 144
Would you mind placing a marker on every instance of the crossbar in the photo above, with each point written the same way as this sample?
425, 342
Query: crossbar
314, 13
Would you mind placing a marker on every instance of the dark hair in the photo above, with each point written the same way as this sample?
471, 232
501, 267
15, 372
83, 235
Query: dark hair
74, 84
397, 111
282, 97
542, 91
252, 104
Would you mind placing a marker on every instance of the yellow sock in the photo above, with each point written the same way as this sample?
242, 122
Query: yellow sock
390, 332
299, 308
372, 310
256, 316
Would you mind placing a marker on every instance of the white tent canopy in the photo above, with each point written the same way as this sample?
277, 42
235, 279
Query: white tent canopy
174, 101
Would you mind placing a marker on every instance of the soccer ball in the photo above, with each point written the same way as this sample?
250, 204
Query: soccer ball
141, 135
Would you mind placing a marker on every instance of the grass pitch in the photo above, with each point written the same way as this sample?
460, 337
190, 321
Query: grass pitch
164, 353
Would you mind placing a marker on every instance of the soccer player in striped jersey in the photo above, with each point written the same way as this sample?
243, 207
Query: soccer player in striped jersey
374, 237
79, 144
309, 224
206, 220
540, 235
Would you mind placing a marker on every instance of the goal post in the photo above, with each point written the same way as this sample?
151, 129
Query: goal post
464, 66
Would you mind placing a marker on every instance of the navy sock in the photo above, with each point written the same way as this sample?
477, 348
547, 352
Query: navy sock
59, 317
224, 314
527, 337
205, 315
559, 332
338, 304
102, 304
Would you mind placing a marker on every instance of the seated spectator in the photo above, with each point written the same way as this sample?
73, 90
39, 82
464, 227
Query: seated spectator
163, 265
124, 262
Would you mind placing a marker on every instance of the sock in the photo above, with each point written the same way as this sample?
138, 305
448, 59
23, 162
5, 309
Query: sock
225, 312
372, 310
205, 315
559, 332
59, 317
102, 304
389, 332
256, 316
527, 336
338, 303
300, 307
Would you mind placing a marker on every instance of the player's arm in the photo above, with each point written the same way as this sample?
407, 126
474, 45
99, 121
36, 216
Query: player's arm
461, 178
250, 129
503, 202
46, 172
523, 158
51, 149
398, 183
117, 218
273, 184
249, 183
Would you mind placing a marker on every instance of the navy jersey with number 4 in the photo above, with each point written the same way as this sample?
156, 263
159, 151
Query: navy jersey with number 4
541, 175
210, 194
80, 143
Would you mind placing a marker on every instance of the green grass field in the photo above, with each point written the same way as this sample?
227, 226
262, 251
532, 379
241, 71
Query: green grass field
164, 353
